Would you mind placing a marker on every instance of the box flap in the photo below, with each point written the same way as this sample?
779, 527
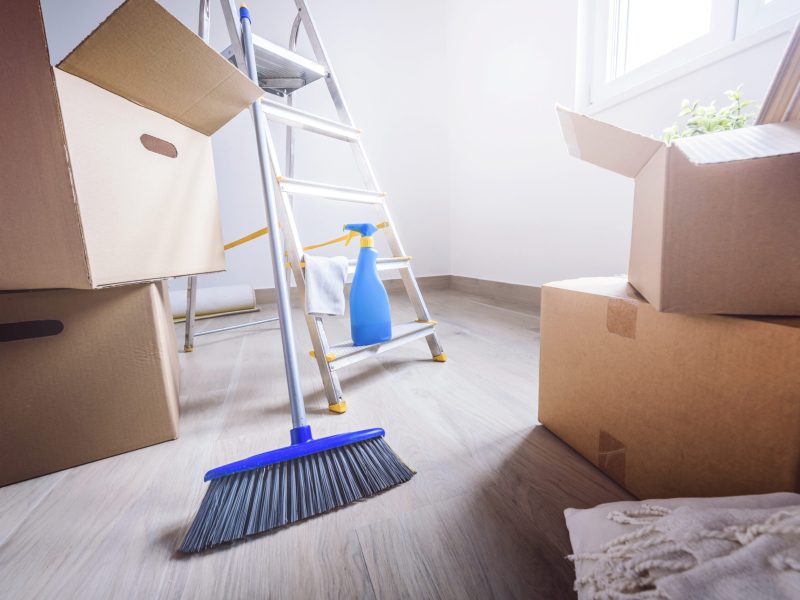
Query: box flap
143, 53
761, 141
781, 101
613, 287
605, 145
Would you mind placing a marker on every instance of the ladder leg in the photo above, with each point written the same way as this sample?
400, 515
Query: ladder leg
330, 379
316, 330
289, 149
204, 20
204, 31
231, 12
415, 295
316, 327
412, 287
191, 300
294, 251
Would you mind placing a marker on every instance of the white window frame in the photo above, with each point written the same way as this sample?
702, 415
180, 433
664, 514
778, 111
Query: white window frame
754, 15
736, 26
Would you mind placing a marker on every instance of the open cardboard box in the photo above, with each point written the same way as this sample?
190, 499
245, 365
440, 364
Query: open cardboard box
86, 374
670, 405
106, 168
716, 218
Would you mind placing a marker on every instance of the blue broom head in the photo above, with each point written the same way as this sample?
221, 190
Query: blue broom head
283, 486
302, 445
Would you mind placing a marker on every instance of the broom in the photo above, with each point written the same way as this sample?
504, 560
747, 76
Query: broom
309, 477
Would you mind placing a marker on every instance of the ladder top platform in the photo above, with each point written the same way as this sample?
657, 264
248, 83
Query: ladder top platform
280, 69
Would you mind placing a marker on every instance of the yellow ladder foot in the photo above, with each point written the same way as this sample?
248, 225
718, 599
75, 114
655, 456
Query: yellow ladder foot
338, 408
329, 357
440, 357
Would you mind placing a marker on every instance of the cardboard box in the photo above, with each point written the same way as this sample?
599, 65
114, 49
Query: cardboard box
106, 169
715, 217
85, 375
670, 405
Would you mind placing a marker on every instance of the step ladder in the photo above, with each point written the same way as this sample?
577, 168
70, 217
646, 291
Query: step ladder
281, 73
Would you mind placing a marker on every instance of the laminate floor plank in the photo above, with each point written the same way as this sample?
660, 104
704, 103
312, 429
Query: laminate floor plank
481, 519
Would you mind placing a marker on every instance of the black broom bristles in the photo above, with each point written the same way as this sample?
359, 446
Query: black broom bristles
251, 502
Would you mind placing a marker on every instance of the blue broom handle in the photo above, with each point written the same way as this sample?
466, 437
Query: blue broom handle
276, 246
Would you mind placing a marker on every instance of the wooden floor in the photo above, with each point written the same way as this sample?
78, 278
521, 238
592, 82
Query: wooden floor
482, 519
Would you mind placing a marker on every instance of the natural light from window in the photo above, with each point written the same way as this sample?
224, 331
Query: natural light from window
635, 45
657, 26
649, 29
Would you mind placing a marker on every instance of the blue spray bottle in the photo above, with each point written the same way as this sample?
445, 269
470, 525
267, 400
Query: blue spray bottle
370, 317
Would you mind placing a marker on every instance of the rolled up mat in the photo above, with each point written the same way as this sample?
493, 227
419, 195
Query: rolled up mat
215, 301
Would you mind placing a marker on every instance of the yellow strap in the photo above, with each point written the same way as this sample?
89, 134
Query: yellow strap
342, 238
247, 238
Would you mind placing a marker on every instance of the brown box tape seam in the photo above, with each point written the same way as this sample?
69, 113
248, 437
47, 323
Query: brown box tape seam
621, 317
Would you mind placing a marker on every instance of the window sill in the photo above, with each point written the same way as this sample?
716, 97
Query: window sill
731, 49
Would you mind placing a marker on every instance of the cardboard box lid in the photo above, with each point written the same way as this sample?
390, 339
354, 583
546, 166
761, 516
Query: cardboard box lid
612, 287
618, 287
626, 153
763, 141
605, 145
143, 53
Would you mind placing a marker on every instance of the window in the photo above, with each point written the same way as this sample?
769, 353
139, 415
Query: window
630, 46
757, 14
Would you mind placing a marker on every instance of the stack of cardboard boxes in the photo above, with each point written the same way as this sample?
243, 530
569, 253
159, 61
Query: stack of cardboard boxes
106, 187
644, 377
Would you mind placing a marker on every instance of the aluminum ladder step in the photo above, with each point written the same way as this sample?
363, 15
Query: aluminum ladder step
393, 263
280, 70
384, 264
345, 353
288, 115
332, 192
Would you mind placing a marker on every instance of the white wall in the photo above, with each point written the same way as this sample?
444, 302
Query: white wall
456, 98
522, 211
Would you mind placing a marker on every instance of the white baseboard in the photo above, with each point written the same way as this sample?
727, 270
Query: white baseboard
527, 295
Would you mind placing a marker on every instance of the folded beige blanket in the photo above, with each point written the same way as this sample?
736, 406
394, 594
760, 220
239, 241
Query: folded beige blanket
689, 553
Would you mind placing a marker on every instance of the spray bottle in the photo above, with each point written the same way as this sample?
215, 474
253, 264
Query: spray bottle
370, 317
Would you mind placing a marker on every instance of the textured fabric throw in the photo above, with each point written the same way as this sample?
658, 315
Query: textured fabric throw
697, 553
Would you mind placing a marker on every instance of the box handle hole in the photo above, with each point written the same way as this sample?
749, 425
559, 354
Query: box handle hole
159, 146
26, 330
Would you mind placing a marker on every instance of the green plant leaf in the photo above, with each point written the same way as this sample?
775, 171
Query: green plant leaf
701, 119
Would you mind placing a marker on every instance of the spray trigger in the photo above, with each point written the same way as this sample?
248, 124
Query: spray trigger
350, 235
